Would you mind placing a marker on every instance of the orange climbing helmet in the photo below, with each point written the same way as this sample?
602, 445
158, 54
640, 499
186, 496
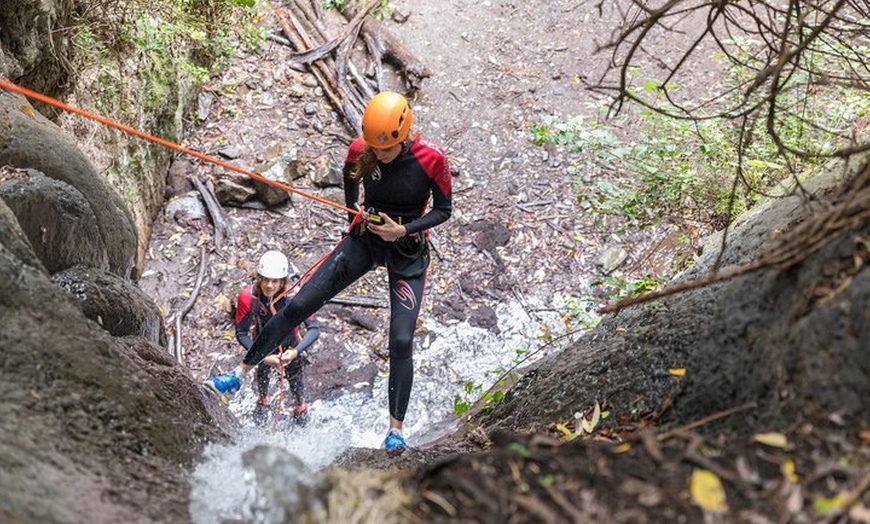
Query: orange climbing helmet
386, 120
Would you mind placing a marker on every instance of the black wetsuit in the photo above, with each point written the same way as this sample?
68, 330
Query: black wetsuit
254, 311
400, 189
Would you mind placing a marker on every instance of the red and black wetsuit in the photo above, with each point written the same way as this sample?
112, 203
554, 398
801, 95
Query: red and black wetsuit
254, 311
401, 189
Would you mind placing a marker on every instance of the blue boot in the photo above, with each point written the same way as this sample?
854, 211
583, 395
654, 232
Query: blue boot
227, 384
394, 440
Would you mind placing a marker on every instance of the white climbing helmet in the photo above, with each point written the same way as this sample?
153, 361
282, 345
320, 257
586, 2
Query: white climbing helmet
273, 264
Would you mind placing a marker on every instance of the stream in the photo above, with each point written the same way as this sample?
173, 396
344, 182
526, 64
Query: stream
225, 487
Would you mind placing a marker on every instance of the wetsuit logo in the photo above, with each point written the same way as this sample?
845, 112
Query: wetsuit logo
405, 294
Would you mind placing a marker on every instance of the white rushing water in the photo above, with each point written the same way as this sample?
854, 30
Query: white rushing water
224, 486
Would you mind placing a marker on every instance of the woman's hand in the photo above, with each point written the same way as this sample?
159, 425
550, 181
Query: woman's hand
390, 231
272, 361
276, 361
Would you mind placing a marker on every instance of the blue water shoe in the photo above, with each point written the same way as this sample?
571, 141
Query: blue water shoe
394, 440
227, 384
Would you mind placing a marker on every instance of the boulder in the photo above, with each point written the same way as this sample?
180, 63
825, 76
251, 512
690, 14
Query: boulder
118, 305
57, 219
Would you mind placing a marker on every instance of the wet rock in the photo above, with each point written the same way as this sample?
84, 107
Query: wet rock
107, 446
447, 312
15, 240
57, 220
285, 486
484, 317
359, 318
489, 235
118, 305
337, 373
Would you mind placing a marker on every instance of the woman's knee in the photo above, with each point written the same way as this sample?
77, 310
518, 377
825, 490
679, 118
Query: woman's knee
401, 346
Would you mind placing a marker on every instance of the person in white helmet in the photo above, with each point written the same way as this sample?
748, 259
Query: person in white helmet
256, 304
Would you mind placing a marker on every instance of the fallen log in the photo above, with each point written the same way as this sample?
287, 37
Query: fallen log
174, 343
351, 103
384, 45
342, 64
359, 301
325, 77
315, 53
221, 230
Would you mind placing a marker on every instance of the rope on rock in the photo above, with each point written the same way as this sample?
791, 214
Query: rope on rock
9, 86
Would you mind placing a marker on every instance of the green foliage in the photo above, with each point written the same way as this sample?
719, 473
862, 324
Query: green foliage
86, 42
580, 314
381, 11
688, 169
188, 36
474, 393
639, 181
813, 114
618, 287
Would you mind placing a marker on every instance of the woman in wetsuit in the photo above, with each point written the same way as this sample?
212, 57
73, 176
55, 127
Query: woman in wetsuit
255, 306
399, 175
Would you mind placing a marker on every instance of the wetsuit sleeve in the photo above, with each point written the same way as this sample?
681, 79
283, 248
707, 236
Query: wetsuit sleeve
311, 335
441, 182
243, 319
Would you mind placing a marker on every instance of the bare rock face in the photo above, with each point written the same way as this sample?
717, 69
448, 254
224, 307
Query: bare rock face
28, 140
93, 428
57, 220
786, 341
15, 240
98, 423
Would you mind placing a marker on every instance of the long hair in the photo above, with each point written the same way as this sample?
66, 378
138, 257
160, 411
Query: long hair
258, 293
368, 162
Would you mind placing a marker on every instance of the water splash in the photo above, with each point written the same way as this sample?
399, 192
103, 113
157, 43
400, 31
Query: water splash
225, 488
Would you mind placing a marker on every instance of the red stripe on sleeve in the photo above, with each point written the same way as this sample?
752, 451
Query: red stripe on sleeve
434, 164
243, 306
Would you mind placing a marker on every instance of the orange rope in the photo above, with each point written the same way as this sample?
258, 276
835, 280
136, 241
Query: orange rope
9, 86
281, 370
281, 385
